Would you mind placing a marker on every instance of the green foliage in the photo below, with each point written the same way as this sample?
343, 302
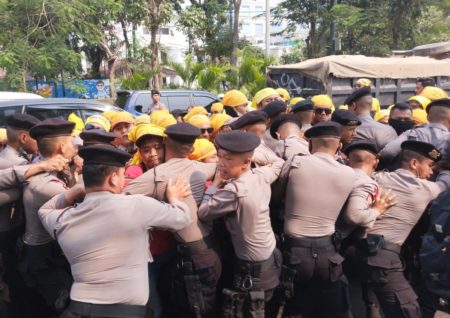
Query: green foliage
295, 55
76, 87
211, 77
189, 71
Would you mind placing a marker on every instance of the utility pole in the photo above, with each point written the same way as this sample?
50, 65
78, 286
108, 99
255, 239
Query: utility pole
267, 29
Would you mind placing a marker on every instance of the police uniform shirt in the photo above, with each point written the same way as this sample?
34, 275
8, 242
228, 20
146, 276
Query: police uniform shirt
263, 155
105, 240
245, 203
292, 145
433, 133
39, 190
269, 141
412, 196
317, 187
153, 183
358, 210
11, 177
12, 156
373, 131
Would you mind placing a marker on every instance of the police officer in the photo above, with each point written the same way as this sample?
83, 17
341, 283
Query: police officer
287, 128
273, 110
199, 264
304, 111
242, 195
44, 267
384, 240
310, 224
360, 103
435, 133
107, 244
349, 122
97, 136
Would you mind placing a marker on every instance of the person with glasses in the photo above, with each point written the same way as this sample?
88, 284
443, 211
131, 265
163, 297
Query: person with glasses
323, 107
201, 122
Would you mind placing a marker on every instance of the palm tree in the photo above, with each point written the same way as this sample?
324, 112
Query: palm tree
189, 71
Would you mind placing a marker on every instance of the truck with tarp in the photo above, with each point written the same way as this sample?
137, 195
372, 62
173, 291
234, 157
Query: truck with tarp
393, 78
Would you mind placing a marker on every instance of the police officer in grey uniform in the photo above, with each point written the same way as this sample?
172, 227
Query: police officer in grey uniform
382, 247
435, 132
199, 264
97, 136
273, 110
304, 111
287, 128
360, 103
105, 237
44, 267
320, 289
242, 195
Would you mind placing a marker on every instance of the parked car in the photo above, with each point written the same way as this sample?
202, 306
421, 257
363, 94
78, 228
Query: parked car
173, 99
18, 95
53, 107
393, 78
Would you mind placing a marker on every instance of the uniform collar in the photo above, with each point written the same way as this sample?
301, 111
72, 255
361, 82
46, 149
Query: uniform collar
437, 125
405, 172
365, 118
324, 155
97, 194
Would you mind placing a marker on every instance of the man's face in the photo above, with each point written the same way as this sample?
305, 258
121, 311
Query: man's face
206, 131
29, 144
268, 100
423, 168
231, 165
152, 152
242, 109
321, 114
401, 114
348, 133
68, 149
414, 104
100, 86
156, 98
419, 88
257, 129
119, 180
121, 131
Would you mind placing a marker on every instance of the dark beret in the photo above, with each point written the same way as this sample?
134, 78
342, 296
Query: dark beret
52, 127
444, 102
155, 92
21, 121
104, 155
250, 118
304, 105
183, 133
362, 145
345, 118
274, 108
357, 95
178, 112
237, 141
425, 149
324, 129
285, 118
97, 136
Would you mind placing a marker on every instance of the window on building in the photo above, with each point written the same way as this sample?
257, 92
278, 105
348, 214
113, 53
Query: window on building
259, 10
246, 28
245, 10
164, 31
259, 28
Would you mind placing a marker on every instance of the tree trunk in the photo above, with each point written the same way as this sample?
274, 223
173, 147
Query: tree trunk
112, 65
125, 37
153, 6
237, 9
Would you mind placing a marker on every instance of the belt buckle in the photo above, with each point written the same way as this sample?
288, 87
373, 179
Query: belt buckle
247, 282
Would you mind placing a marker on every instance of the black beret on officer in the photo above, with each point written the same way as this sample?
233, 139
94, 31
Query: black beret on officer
423, 148
97, 136
302, 106
183, 133
274, 108
365, 91
21, 121
178, 112
238, 141
444, 102
362, 145
345, 118
250, 118
52, 127
104, 155
283, 119
324, 129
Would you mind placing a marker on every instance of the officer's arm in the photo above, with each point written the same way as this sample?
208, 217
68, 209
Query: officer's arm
12, 177
217, 203
153, 213
272, 171
358, 211
50, 212
9, 195
279, 187
144, 184
392, 149
443, 181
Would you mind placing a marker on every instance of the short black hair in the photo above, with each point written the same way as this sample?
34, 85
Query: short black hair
100, 82
95, 175
402, 106
407, 155
426, 81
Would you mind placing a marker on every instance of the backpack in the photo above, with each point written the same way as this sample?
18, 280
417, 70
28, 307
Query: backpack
435, 250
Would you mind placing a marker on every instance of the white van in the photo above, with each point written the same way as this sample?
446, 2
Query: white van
18, 95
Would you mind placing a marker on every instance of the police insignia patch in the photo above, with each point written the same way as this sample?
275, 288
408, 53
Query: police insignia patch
434, 154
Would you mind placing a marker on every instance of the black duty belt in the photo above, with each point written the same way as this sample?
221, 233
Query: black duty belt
200, 245
318, 242
255, 268
111, 311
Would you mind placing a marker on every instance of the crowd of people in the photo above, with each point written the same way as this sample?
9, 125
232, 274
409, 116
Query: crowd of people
274, 207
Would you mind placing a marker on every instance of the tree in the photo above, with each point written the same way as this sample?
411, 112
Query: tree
189, 71
236, 10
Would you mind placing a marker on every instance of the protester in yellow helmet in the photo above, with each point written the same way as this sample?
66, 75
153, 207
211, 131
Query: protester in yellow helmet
201, 122
365, 82
418, 102
284, 94
236, 101
382, 116
204, 151
109, 114
323, 107
264, 97
121, 125
162, 118
142, 119
216, 108
420, 116
97, 121
79, 125
197, 110
217, 122
433, 93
